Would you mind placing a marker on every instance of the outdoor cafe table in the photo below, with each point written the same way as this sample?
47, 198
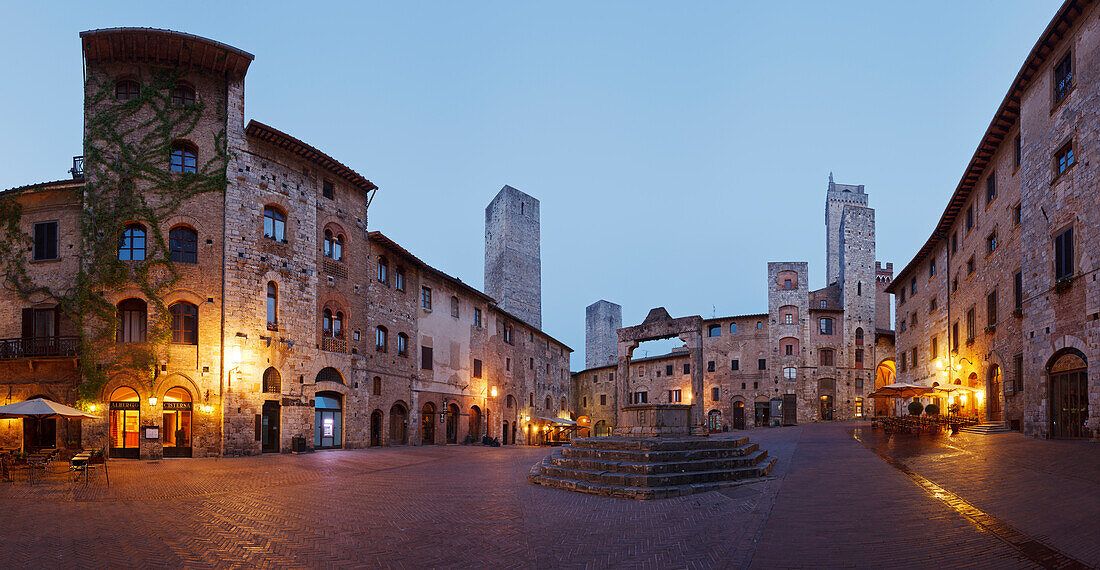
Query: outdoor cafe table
79, 462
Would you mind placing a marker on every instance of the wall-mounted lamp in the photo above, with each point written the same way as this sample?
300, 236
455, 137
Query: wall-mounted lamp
493, 391
92, 408
152, 400
207, 408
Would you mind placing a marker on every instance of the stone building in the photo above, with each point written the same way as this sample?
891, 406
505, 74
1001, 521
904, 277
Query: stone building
210, 287
1002, 299
813, 356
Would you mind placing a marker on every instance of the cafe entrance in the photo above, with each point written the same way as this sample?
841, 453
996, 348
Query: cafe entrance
175, 429
124, 423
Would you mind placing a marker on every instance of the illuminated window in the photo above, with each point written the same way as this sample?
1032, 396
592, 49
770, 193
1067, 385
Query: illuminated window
185, 323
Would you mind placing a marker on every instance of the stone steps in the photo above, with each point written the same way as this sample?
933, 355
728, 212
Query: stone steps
987, 428
644, 467
651, 468
633, 455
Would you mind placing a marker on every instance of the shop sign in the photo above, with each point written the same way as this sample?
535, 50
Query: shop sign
327, 429
152, 433
125, 405
183, 406
296, 402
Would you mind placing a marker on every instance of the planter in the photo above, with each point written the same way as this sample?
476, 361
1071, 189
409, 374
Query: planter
1063, 285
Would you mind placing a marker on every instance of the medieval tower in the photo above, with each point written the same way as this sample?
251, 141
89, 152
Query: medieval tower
837, 197
513, 264
602, 321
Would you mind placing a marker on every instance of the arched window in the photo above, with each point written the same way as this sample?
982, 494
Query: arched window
381, 339
826, 325
563, 404
383, 270
714, 330
272, 306
126, 89
733, 328
131, 246
184, 158
330, 374
183, 94
402, 344
788, 346
333, 323
334, 244
183, 243
790, 373
454, 306
859, 336
273, 381
377, 391
549, 403
825, 357
185, 323
132, 319
274, 223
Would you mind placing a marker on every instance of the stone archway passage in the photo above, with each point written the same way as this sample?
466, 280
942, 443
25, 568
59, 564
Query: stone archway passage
399, 425
1069, 395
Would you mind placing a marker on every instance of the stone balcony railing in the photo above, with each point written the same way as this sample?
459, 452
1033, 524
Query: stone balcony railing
42, 347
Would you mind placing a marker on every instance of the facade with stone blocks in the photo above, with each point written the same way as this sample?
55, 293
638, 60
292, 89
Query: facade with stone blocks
257, 314
513, 259
814, 356
1002, 299
601, 320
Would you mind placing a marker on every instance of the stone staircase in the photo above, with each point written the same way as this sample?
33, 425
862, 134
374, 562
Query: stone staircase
987, 428
652, 468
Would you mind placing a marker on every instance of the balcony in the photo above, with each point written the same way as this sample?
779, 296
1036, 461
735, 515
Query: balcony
335, 268
40, 348
78, 168
330, 344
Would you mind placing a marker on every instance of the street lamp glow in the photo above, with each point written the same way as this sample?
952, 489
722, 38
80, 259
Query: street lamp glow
493, 391
152, 400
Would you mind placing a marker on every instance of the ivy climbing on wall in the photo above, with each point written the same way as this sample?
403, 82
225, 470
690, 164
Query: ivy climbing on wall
127, 180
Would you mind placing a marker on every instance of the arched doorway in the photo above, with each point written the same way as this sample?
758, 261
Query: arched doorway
376, 428
739, 415
1069, 394
474, 429
601, 429
399, 424
175, 427
452, 423
427, 424
993, 393
884, 375
329, 422
826, 408
124, 422
39, 433
714, 421
504, 433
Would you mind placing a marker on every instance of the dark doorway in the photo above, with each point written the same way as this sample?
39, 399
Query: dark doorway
376, 428
826, 408
714, 421
39, 433
452, 423
269, 434
738, 415
504, 434
790, 409
993, 396
427, 424
515, 429
328, 425
763, 414
475, 424
1069, 396
399, 424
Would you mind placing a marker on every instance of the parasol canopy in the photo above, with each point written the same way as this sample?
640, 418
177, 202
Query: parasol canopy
901, 391
42, 408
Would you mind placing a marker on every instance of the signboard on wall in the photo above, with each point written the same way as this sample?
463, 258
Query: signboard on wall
327, 427
152, 433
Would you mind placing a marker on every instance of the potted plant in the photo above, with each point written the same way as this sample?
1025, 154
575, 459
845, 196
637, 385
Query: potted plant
1018, 312
915, 408
1063, 284
73, 444
932, 410
953, 409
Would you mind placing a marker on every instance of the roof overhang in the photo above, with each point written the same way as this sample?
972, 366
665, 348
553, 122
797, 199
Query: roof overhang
273, 136
164, 47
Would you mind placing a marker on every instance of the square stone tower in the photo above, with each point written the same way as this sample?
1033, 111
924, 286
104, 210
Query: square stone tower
513, 259
602, 320
837, 197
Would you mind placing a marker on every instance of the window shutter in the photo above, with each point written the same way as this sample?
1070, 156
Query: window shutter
28, 323
259, 427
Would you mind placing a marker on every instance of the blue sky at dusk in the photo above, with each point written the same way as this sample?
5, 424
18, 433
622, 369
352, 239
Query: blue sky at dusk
676, 147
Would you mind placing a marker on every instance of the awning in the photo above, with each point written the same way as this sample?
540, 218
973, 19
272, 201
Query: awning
42, 408
561, 421
901, 391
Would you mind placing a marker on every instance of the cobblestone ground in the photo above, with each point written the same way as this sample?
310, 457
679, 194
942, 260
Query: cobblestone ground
841, 495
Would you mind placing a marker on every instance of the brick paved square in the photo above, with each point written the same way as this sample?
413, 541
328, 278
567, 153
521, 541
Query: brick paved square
833, 501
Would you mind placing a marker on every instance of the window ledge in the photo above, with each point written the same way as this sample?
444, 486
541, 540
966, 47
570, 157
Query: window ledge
55, 259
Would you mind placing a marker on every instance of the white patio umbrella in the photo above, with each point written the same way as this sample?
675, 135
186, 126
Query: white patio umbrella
40, 408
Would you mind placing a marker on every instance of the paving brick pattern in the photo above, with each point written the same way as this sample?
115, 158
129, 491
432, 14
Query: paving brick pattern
831, 502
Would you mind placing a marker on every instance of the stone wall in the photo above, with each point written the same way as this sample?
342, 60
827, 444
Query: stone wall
513, 262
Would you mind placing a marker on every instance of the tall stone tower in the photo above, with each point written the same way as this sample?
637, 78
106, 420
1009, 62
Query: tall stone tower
513, 261
602, 321
838, 196
883, 277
